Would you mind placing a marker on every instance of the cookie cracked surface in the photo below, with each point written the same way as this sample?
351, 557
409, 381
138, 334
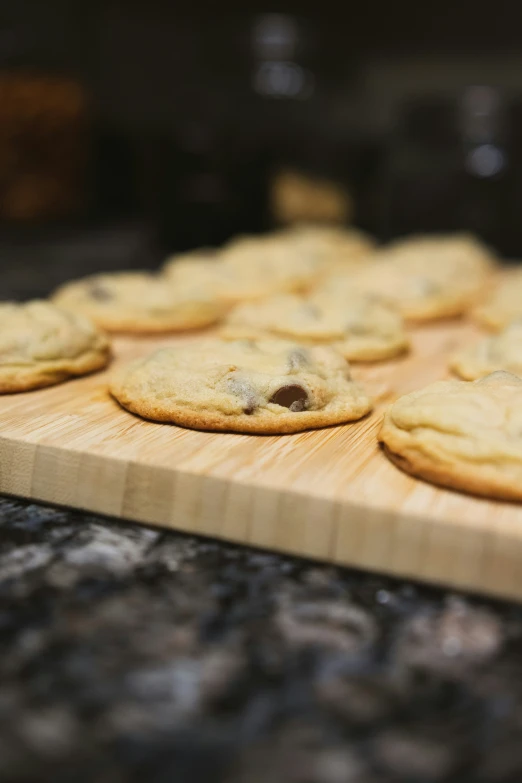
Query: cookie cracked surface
41, 344
462, 435
266, 386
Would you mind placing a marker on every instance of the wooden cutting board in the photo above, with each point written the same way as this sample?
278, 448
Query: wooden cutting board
329, 494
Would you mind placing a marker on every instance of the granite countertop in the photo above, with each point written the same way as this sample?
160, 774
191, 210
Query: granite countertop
129, 653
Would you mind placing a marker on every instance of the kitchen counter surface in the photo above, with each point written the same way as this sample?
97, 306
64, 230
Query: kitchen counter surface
129, 653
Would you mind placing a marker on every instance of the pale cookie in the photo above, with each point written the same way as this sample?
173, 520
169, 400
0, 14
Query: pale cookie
359, 328
459, 261
246, 270
467, 436
504, 304
275, 257
140, 302
230, 283
417, 297
335, 249
499, 352
446, 248
424, 279
41, 344
265, 387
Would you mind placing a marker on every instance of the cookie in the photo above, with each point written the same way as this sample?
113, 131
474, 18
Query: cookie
246, 270
275, 258
264, 387
41, 344
359, 328
139, 302
445, 247
502, 351
424, 279
333, 248
504, 305
462, 435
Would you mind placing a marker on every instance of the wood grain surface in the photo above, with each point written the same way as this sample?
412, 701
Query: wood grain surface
329, 494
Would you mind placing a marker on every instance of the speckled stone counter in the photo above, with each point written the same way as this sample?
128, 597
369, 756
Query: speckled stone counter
131, 654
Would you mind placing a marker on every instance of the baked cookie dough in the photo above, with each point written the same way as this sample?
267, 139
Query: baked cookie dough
140, 302
334, 249
41, 344
425, 279
445, 247
247, 269
504, 305
265, 387
462, 435
252, 267
501, 351
359, 328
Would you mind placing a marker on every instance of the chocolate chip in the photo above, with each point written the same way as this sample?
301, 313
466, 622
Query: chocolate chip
99, 292
293, 397
241, 388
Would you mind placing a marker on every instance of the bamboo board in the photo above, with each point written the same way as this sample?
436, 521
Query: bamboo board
328, 494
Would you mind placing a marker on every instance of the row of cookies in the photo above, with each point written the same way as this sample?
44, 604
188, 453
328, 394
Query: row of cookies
242, 386
260, 383
422, 278
280, 363
197, 289
354, 311
307, 285
357, 310
209, 383
42, 343
247, 386
455, 433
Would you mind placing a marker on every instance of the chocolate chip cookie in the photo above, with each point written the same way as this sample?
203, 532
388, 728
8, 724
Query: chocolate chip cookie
445, 247
246, 269
358, 327
462, 435
425, 279
502, 351
41, 344
265, 387
334, 248
137, 302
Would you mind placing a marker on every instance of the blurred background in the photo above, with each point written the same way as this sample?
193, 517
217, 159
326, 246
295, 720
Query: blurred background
129, 130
